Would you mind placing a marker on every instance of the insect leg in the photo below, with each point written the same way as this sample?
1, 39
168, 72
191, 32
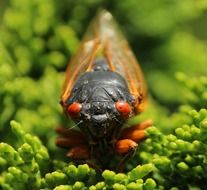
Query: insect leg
123, 161
114, 136
129, 139
82, 155
137, 132
91, 142
70, 133
125, 147
81, 152
69, 137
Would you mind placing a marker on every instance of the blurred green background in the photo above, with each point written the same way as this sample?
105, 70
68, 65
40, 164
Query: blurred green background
38, 37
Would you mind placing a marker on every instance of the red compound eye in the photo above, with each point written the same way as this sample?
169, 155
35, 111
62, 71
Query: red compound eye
74, 109
123, 108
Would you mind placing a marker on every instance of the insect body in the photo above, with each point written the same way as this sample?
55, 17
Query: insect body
104, 86
104, 101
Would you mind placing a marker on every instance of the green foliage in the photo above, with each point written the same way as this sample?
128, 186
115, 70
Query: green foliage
27, 166
181, 155
23, 165
166, 160
196, 90
37, 38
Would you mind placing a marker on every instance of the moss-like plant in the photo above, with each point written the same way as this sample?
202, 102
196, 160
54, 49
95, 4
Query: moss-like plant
37, 38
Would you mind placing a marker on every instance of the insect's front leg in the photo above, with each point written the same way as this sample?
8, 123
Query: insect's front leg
75, 141
125, 148
82, 155
131, 136
81, 152
78, 145
115, 133
127, 143
69, 138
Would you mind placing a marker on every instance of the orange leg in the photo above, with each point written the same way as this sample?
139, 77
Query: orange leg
75, 141
124, 146
70, 138
137, 132
77, 144
79, 152
70, 133
127, 143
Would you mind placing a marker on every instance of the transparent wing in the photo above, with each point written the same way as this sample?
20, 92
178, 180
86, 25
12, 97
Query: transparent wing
78, 64
104, 39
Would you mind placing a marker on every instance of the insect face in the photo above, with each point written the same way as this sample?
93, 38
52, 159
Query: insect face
99, 112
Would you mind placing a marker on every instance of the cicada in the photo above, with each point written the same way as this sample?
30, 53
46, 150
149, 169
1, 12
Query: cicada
103, 88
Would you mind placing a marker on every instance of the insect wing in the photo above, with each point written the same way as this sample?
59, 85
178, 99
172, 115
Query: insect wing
123, 59
103, 38
78, 64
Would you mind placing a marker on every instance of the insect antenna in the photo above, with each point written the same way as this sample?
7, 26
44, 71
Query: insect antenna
81, 121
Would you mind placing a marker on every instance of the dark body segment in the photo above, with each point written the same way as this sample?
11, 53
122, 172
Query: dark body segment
98, 91
101, 84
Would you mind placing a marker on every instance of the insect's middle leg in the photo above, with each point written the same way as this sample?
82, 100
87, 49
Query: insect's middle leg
129, 137
137, 132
